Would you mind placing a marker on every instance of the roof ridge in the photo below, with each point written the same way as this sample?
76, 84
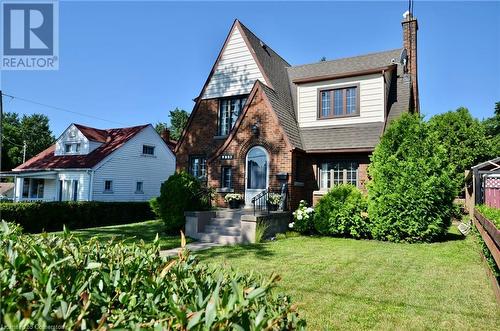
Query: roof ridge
346, 57
267, 45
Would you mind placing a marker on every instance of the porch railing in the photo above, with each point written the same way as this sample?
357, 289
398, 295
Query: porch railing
260, 201
36, 200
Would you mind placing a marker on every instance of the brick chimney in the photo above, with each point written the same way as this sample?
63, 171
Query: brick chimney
165, 135
410, 28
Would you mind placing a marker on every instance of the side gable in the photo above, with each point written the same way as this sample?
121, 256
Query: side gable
236, 68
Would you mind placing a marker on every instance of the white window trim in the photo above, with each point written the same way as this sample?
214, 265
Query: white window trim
142, 191
149, 155
104, 186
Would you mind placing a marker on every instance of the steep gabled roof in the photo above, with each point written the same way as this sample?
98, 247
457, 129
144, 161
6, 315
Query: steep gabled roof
93, 134
111, 139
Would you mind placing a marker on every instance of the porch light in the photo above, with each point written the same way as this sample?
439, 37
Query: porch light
255, 128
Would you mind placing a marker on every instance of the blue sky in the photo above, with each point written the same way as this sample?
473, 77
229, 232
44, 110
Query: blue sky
132, 62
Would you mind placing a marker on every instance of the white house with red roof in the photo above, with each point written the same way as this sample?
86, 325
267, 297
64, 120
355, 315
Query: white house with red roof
88, 164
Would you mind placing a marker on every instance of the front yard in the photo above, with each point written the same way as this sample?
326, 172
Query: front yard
359, 284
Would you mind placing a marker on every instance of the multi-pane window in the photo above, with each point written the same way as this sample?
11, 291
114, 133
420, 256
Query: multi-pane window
139, 186
336, 173
108, 186
33, 188
339, 102
198, 167
227, 177
75, 190
148, 150
229, 111
72, 148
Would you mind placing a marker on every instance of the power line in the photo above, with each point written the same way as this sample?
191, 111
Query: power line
61, 109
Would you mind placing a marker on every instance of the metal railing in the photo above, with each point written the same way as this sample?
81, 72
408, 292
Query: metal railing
261, 201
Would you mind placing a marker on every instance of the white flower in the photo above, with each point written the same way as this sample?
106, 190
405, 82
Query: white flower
309, 210
291, 225
299, 217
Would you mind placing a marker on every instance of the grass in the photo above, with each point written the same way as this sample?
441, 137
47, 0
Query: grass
360, 284
131, 233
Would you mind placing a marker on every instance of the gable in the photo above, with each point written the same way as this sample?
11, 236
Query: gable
236, 69
72, 135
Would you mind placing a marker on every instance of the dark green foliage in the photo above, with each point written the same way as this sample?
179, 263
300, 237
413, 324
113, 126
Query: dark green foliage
59, 282
178, 120
341, 211
52, 216
180, 193
464, 139
492, 126
34, 129
412, 189
492, 214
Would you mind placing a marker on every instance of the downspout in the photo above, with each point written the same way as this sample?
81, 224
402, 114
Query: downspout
91, 184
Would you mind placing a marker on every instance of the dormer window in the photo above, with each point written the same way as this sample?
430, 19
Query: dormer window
338, 102
229, 111
72, 148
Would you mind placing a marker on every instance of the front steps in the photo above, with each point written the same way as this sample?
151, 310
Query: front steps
224, 228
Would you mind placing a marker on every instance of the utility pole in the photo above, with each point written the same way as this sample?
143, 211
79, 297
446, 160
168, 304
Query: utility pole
24, 151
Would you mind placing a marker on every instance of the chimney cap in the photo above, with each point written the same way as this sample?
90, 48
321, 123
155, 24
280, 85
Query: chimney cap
406, 14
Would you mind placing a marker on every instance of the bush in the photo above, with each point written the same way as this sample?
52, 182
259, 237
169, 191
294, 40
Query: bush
492, 214
59, 282
340, 213
303, 218
412, 189
180, 193
51, 216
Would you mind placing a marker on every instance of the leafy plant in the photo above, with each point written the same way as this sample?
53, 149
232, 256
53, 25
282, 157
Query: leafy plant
412, 188
303, 218
260, 231
180, 193
53, 282
341, 212
52, 216
492, 214
233, 197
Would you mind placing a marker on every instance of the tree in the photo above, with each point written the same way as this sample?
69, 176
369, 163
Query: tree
178, 120
492, 127
464, 139
33, 129
412, 189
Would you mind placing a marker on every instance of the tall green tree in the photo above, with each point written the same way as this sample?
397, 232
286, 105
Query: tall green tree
464, 139
178, 120
492, 127
33, 129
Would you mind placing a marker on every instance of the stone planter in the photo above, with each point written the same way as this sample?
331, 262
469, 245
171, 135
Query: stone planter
234, 204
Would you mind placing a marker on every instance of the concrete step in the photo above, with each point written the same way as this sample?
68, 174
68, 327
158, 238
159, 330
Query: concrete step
224, 221
229, 213
220, 239
223, 230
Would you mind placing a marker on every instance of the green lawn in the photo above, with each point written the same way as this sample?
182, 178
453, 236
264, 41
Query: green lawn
131, 233
360, 284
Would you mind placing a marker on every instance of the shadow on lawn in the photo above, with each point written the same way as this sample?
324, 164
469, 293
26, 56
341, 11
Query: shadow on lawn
450, 236
258, 250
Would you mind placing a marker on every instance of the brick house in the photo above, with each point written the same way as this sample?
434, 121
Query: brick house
259, 121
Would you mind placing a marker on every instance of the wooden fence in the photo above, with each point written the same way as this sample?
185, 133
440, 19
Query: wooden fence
491, 237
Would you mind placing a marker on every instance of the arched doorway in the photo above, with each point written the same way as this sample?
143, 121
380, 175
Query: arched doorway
256, 173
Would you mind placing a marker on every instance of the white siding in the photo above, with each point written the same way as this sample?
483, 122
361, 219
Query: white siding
372, 103
73, 135
127, 165
83, 178
236, 71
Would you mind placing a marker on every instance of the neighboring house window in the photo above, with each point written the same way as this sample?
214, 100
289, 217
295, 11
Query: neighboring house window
339, 102
33, 188
335, 173
198, 167
148, 150
139, 187
26, 188
72, 148
227, 177
108, 186
229, 111
75, 190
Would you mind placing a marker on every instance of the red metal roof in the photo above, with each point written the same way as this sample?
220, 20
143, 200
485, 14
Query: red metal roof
111, 140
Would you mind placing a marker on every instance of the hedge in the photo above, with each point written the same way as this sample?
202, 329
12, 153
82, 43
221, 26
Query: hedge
51, 216
62, 283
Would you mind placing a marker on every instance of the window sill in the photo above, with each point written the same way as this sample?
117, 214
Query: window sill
338, 116
107, 192
224, 190
148, 155
220, 137
139, 192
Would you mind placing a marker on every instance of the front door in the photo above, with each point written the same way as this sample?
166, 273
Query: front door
256, 173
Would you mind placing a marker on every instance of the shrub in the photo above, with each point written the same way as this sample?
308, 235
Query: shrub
340, 213
492, 214
52, 216
303, 218
180, 193
412, 189
59, 282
